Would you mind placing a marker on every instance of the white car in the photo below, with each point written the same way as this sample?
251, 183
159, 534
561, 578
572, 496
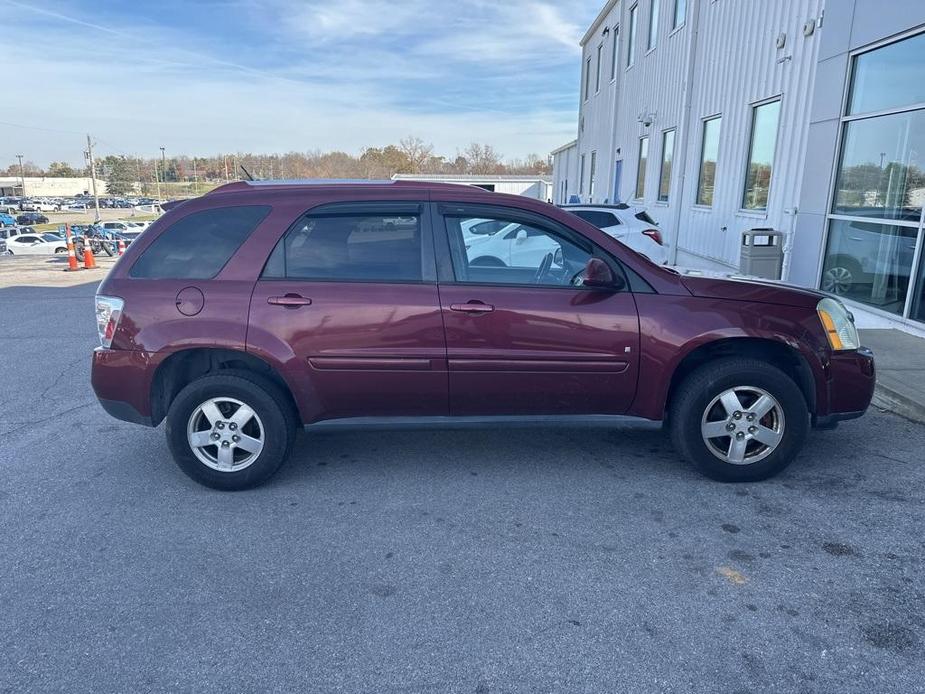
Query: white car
44, 206
631, 227
515, 245
36, 244
477, 231
118, 227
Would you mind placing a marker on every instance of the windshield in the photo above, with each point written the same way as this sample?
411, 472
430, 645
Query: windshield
52, 237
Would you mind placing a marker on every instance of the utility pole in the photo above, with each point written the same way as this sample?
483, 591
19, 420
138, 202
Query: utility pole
157, 181
22, 176
96, 197
195, 178
164, 168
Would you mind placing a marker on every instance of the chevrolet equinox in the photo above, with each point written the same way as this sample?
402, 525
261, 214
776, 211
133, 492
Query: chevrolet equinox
245, 314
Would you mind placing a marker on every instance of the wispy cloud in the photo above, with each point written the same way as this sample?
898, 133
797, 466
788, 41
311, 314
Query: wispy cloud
286, 74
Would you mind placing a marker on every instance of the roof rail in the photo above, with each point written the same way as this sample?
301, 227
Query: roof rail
317, 182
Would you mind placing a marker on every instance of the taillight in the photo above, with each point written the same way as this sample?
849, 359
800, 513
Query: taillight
108, 313
654, 234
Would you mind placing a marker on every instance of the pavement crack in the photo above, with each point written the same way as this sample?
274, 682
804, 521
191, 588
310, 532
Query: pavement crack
50, 417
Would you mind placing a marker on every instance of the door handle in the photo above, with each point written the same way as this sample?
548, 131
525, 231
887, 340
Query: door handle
289, 301
472, 307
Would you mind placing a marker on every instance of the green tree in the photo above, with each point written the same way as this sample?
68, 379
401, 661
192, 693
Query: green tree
60, 169
119, 174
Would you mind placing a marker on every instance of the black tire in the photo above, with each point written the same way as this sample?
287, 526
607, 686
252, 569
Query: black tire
488, 261
690, 401
268, 401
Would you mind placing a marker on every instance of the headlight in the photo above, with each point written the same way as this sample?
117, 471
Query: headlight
839, 324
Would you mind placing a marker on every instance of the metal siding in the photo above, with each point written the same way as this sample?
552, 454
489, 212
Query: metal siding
736, 65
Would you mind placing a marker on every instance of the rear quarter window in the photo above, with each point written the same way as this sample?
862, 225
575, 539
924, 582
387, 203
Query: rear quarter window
599, 219
199, 245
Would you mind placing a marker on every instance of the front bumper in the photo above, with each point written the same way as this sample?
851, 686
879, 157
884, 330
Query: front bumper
851, 378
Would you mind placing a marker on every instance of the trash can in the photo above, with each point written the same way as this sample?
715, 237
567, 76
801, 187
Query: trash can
762, 253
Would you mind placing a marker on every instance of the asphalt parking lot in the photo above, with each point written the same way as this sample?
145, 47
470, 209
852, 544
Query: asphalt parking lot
483, 560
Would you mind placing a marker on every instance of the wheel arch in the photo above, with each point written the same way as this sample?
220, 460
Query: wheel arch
184, 366
775, 352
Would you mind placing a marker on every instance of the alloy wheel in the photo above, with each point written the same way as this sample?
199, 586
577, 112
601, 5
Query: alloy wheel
225, 434
837, 280
743, 425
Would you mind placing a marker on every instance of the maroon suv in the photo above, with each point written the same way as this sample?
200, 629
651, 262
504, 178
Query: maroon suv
245, 314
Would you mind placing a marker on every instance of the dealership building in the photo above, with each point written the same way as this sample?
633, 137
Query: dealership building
802, 116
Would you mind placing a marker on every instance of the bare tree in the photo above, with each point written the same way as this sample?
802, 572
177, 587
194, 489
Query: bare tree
483, 159
418, 152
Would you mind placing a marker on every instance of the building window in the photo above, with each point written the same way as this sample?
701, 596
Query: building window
631, 39
765, 118
882, 168
581, 175
641, 168
664, 176
653, 25
615, 52
889, 77
587, 79
592, 175
680, 13
709, 150
875, 222
600, 59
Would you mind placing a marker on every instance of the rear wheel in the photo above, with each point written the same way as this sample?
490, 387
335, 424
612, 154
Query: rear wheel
739, 420
231, 430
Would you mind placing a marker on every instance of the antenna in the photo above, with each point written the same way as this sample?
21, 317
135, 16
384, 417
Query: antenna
247, 173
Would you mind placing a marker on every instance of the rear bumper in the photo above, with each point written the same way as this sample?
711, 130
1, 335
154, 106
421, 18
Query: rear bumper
121, 380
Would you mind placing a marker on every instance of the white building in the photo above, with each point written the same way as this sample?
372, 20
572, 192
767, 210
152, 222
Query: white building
49, 187
721, 116
537, 187
564, 171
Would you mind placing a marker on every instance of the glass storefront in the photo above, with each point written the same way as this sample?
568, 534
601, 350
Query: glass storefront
873, 254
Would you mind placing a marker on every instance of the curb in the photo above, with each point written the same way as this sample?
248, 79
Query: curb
889, 400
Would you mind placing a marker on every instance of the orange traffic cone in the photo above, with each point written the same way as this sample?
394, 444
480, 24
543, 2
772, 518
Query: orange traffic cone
89, 260
121, 246
72, 265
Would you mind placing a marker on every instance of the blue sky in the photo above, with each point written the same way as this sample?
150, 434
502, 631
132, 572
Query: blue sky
204, 76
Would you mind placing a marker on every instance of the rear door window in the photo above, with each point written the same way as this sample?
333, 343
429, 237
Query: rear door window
361, 247
199, 245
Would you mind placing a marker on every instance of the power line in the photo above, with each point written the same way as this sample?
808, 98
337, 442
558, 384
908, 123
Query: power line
35, 127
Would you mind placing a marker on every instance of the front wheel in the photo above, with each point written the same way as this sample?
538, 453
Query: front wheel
230, 431
739, 420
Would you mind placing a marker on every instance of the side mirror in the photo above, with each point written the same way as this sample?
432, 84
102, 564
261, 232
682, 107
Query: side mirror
598, 275
521, 236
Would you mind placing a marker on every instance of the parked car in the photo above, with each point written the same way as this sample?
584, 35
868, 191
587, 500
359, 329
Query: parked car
632, 227
242, 315
36, 244
7, 220
10, 232
31, 218
39, 206
9, 205
860, 253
